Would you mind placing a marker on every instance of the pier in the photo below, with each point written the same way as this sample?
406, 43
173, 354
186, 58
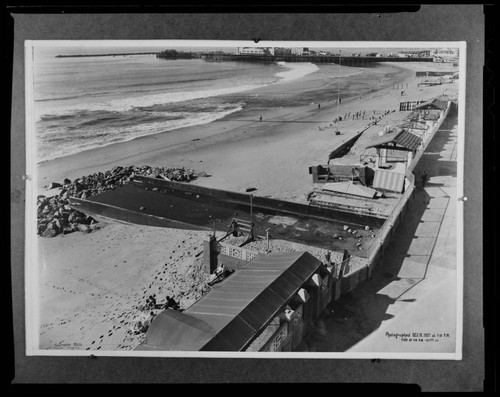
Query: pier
343, 60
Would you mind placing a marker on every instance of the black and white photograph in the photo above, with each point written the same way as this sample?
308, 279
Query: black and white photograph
279, 199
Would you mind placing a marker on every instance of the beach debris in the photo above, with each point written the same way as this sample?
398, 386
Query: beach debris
346, 227
367, 228
335, 236
56, 216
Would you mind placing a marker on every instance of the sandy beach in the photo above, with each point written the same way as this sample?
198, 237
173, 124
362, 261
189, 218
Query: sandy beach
91, 284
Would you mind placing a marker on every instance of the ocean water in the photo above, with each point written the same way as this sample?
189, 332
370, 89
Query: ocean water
86, 102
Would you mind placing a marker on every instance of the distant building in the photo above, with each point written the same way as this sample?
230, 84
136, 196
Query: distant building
416, 53
282, 51
445, 54
253, 51
299, 50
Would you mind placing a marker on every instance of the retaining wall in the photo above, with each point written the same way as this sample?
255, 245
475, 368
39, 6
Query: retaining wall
263, 203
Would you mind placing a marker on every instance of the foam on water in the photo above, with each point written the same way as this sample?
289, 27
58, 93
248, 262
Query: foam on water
84, 105
96, 137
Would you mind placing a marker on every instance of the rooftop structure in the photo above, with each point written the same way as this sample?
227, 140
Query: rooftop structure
231, 316
433, 104
402, 140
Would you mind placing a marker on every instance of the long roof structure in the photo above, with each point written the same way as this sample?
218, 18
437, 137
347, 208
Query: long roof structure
230, 316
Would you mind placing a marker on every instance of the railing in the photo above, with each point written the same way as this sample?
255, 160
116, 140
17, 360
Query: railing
237, 252
408, 105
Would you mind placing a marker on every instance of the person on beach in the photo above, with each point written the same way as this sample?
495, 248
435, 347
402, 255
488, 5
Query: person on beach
260, 118
424, 178
319, 106
171, 303
328, 258
234, 228
152, 316
220, 270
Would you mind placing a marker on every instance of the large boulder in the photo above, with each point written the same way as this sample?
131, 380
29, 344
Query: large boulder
84, 228
54, 185
49, 233
78, 187
67, 230
41, 228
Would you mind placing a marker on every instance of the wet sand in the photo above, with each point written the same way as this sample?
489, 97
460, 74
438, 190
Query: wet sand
91, 283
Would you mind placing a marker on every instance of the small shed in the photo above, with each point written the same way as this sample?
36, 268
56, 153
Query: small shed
389, 181
403, 140
394, 142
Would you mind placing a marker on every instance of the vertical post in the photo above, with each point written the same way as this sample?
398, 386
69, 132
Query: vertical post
267, 238
210, 254
251, 208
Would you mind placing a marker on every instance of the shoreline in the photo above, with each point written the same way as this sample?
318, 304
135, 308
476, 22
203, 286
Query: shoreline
141, 149
91, 284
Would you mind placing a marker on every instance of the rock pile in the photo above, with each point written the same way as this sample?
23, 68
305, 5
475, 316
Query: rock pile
55, 216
